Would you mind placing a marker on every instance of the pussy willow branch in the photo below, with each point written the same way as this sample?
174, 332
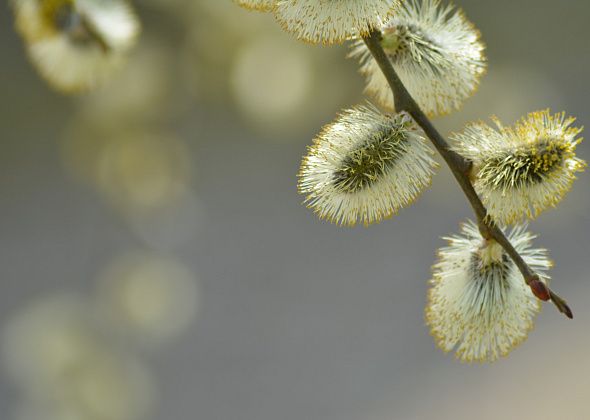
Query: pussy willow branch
460, 167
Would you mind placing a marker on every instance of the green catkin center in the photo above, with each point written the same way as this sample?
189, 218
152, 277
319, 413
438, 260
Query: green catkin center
409, 42
525, 166
370, 161
490, 279
68, 20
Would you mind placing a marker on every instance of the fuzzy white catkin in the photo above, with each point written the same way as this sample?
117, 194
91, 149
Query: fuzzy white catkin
479, 304
329, 22
521, 171
436, 52
365, 166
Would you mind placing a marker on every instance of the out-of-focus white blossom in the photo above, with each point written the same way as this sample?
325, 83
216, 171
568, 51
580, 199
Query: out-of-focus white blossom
76, 45
150, 297
64, 361
258, 81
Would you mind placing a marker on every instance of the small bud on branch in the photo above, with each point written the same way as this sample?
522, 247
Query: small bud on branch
539, 289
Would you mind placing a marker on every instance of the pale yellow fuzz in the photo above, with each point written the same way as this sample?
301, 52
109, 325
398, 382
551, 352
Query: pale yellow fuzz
259, 5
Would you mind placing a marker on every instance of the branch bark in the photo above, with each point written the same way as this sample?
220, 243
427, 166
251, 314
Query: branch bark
460, 167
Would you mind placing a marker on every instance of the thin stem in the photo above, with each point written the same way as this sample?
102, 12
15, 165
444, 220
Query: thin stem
460, 167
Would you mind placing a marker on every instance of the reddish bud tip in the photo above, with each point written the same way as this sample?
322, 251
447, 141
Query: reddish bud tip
540, 290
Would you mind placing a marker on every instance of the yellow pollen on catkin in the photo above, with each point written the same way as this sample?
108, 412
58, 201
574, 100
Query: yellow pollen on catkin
521, 171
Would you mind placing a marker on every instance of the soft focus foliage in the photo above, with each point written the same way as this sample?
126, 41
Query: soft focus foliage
58, 352
151, 297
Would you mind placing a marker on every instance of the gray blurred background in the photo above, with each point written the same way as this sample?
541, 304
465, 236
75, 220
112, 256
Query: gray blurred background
185, 166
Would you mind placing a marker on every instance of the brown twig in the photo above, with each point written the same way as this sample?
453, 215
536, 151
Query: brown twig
460, 167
